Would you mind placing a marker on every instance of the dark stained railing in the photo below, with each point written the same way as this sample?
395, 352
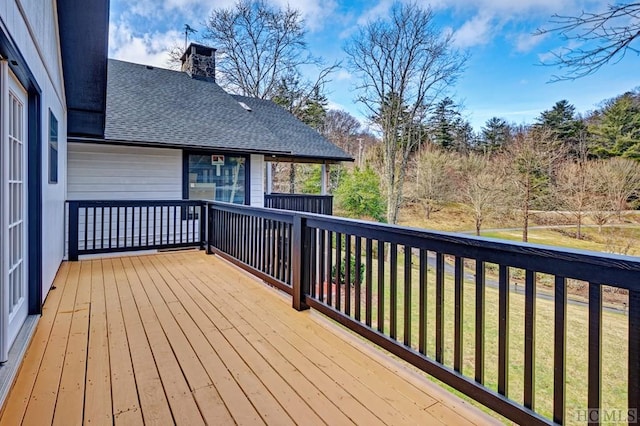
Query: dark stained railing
117, 226
320, 204
391, 285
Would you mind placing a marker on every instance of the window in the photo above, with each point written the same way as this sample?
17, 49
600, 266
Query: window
218, 177
53, 148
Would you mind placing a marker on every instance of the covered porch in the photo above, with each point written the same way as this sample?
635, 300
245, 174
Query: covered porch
186, 338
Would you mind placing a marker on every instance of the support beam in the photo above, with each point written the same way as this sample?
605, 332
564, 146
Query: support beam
269, 183
324, 179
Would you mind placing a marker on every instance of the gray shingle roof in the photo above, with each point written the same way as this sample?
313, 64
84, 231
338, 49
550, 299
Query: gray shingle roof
149, 105
303, 141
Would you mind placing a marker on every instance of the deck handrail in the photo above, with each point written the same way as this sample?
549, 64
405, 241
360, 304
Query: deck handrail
315, 258
110, 226
308, 203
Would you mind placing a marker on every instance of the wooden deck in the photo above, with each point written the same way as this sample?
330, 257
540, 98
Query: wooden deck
185, 338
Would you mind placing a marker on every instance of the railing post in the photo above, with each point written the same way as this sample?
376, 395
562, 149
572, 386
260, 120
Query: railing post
73, 230
209, 215
299, 263
203, 228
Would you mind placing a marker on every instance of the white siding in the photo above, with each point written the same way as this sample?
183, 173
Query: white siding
257, 181
110, 172
32, 25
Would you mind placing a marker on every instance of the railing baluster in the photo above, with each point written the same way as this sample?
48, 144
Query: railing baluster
439, 307
368, 280
110, 225
503, 330
595, 347
338, 282
529, 339
347, 274
458, 308
86, 228
480, 304
322, 269
559, 348
422, 314
380, 286
313, 265
94, 227
358, 284
393, 290
329, 251
118, 227
407, 295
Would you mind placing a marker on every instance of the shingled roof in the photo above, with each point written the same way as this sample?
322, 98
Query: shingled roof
159, 107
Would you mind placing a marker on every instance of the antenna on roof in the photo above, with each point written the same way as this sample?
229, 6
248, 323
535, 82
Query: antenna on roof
187, 30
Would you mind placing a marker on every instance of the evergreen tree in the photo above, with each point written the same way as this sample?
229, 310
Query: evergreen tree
563, 125
615, 129
495, 134
443, 124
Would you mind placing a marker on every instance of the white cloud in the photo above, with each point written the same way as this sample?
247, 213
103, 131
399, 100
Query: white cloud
476, 31
343, 75
146, 48
378, 11
524, 43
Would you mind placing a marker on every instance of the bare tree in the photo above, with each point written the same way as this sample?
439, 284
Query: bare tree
574, 191
602, 37
575, 188
260, 48
621, 177
403, 62
531, 158
482, 188
434, 179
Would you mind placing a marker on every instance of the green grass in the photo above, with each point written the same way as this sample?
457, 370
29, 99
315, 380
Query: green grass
624, 240
614, 338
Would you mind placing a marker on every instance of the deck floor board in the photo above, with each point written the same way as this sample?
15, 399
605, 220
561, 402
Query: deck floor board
186, 338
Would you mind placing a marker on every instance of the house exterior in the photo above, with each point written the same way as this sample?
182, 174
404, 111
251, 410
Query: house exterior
178, 135
33, 118
74, 125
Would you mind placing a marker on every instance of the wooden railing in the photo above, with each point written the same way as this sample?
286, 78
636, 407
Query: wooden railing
394, 286
108, 226
320, 204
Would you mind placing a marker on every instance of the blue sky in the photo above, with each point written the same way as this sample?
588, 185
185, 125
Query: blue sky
503, 77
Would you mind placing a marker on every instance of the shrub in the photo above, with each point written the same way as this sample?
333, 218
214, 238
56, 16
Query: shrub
352, 271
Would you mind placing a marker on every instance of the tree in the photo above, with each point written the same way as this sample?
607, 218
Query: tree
564, 125
601, 37
403, 63
434, 185
576, 187
359, 194
261, 46
531, 158
342, 129
481, 188
443, 124
621, 178
495, 134
616, 128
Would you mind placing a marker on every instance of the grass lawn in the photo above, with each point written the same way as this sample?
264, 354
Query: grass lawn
614, 337
625, 240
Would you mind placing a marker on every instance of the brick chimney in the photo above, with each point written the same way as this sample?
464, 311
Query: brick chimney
199, 61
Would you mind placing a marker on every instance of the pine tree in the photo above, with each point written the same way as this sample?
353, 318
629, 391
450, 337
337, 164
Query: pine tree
616, 128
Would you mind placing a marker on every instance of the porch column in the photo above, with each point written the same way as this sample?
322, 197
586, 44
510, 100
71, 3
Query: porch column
269, 183
324, 179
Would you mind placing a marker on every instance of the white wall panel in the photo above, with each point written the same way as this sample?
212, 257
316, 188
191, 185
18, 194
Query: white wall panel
257, 180
111, 172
